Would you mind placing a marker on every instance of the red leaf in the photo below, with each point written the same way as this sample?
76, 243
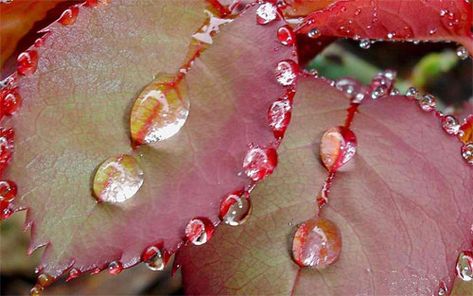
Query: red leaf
403, 205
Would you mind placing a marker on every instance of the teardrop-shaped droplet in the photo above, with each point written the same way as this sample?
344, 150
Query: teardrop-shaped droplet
450, 125
317, 243
286, 72
69, 16
279, 116
286, 35
260, 162
199, 231
427, 103
464, 266
235, 208
160, 110
266, 13
467, 153
462, 53
27, 62
8, 190
117, 179
154, 258
314, 33
10, 100
337, 147
73, 273
115, 267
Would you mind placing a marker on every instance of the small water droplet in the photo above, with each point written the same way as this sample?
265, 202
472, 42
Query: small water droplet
115, 267
466, 130
337, 147
44, 280
260, 162
395, 92
279, 116
160, 110
154, 258
69, 16
462, 53
36, 291
6, 145
432, 31
27, 62
427, 103
286, 35
357, 11
199, 231
286, 72
412, 92
365, 43
450, 125
266, 13
467, 153
117, 179
8, 190
235, 208
443, 290
391, 35
10, 100
314, 33
464, 266
73, 273
352, 88
317, 243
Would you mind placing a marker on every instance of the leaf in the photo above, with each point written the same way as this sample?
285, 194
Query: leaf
403, 206
434, 20
76, 110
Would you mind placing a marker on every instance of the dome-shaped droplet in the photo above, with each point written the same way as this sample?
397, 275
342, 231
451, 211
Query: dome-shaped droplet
443, 290
160, 110
352, 88
317, 243
199, 231
115, 267
462, 53
314, 33
427, 103
154, 258
450, 125
279, 116
6, 145
235, 208
6, 209
27, 62
266, 13
467, 153
412, 92
286, 35
117, 179
464, 266
337, 147
466, 130
286, 72
8, 190
260, 162
69, 16
382, 84
10, 100
365, 43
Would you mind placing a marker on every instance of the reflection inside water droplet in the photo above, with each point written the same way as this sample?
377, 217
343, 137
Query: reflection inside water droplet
115, 267
464, 266
467, 153
266, 13
199, 231
450, 125
117, 179
462, 53
154, 258
235, 208
286, 72
259, 162
337, 147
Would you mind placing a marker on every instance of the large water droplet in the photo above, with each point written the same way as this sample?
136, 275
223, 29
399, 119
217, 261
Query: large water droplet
467, 153
450, 125
115, 267
464, 266
235, 208
160, 110
462, 53
199, 231
286, 72
69, 16
10, 100
27, 62
286, 35
337, 147
317, 243
427, 103
279, 116
260, 162
154, 258
117, 179
266, 13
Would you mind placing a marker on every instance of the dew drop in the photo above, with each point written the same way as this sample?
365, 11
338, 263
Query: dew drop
412, 92
337, 147
8, 190
36, 290
462, 53
365, 43
6, 145
286, 72
443, 290
286, 35
44, 280
427, 103
199, 231
279, 116
317, 243
73, 273
260, 162
314, 33
266, 13
467, 153
390, 35
154, 258
466, 130
27, 62
464, 266
352, 88
10, 99
159, 111
69, 16
115, 267
395, 92
235, 208
450, 125
6, 209
117, 179
382, 83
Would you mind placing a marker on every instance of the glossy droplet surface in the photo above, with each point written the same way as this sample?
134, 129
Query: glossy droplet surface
450, 125
115, 267
462, 53
266, 13
382, 84
69, 16
337, 147
466, 130
427, 103
286, 35
27, 62
314, 33
199, 231
279, 116
117, 179
8, 190
260, 162
159, 111
467, 153
464, 266
73, 273
412, 92
235, 208
316, 244
365, 43
6, 146
154, 258
286, 72
352, 88
10, 100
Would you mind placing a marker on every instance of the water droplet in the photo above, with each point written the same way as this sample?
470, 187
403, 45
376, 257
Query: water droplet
317, 243
357, 11
44, 280
467, 153
154, 258
73, 273
337, 147
395, 92
432, 31
442, 289
266, 13
8, 190
10, 100
211, 28
279, 116
382, 83
286, 35
6, 145
466, 130
36, 291
427, 103
365, 43
69, 16
286, 72
235, 208
412, 92
314, 33
391, 35
115, 267
464, 266
160, 110
6, 209
27, 62
117, 179
199, 231
260, 162
462, 53
352, 88
450, 124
